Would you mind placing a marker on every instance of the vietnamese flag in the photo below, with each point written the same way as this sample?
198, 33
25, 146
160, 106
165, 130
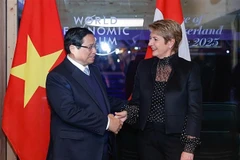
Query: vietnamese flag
26, 114
171, 9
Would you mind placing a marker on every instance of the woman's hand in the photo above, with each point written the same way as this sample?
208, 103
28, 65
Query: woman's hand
121, 115
186, 156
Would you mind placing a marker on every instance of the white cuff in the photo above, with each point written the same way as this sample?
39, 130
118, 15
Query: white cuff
108, 123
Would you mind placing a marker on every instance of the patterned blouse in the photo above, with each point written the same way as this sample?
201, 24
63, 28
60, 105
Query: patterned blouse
157, 110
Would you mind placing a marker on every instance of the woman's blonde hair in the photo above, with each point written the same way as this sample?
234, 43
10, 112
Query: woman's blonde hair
168, 29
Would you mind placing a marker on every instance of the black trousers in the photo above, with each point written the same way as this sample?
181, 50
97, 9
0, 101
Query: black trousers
109, 150
155, 144
106, 156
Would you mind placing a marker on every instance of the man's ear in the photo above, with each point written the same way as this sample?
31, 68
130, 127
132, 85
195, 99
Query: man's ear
72, 48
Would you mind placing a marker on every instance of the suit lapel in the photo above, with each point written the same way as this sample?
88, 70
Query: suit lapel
79, 77
172, 76
77, 74
101, 85
154, 69
173, 62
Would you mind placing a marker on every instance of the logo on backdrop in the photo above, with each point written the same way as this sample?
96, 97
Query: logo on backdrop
108, 30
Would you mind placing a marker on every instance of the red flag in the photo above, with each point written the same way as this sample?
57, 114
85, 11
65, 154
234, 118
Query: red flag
171, 9
26, 114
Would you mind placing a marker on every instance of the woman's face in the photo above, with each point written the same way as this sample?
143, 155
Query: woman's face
159, 47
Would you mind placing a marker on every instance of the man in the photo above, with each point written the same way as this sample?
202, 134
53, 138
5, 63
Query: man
81, 119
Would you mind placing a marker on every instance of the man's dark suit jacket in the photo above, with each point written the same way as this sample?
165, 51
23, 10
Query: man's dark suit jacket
183, 95
78, 124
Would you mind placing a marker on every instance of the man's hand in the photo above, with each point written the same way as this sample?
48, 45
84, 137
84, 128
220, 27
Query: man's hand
186, 156
121, 115
115, 124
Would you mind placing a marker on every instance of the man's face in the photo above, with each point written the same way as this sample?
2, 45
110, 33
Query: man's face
84, 55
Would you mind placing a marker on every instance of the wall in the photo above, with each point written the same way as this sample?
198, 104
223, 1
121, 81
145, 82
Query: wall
8, 33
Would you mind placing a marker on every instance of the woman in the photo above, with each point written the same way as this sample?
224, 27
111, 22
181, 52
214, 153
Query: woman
166, 99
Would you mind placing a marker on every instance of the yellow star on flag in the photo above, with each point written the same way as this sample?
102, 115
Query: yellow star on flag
35, 70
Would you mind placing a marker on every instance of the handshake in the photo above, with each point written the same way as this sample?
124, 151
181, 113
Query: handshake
116, 121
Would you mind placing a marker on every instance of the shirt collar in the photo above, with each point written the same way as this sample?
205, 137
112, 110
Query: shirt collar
78, 65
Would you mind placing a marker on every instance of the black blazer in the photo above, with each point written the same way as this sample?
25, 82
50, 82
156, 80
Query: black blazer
77, 121
183, 95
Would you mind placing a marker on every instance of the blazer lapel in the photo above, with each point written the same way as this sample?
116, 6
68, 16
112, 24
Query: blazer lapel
101, 85
79, 77
174, 65
154, 70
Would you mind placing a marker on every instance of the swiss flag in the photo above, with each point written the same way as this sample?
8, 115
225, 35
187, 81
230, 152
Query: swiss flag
26, 114
171, 9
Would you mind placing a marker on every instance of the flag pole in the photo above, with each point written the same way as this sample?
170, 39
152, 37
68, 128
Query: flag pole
11, 37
